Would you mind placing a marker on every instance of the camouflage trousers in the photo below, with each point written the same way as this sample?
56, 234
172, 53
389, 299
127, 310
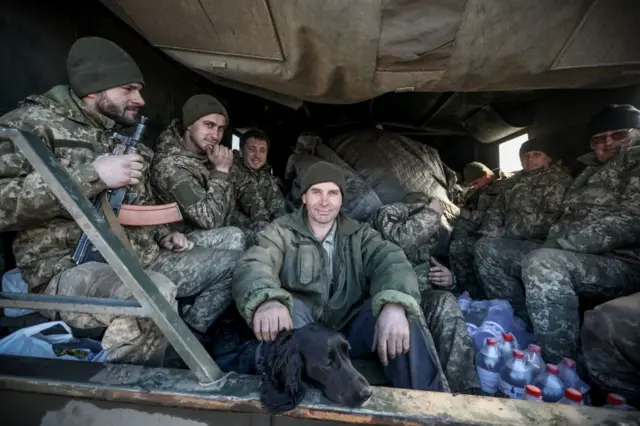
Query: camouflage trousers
461, 252
455, 349
611, 346
241, 221
543, 286
203, 274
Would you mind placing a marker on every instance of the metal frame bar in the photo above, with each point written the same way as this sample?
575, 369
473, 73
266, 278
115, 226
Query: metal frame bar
85, 305
128, 269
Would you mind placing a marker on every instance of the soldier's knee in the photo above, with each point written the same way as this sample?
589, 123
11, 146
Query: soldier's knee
542, 264
237, 236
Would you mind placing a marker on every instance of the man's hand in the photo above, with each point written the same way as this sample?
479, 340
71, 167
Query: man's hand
436, 206
270, 319
176, 242
440, 275
221, 157
117, 171
391, 336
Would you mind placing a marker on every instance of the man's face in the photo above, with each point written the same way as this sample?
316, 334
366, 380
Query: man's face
121, 104
323, 202
534, 160
255, 152
608, 144
484, 180
207, 131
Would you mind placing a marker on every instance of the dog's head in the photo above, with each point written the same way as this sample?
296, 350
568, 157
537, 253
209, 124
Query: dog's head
312, 355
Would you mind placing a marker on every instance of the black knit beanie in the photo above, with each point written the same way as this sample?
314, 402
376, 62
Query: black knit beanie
536, 144
200, 105
322, 172
614, 117
95, 64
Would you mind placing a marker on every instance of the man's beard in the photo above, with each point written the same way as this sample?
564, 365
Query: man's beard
115, 112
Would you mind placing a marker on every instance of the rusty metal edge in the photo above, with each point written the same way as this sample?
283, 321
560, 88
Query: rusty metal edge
238, 393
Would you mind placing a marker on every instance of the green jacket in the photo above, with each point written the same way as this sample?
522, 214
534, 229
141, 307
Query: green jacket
289, 262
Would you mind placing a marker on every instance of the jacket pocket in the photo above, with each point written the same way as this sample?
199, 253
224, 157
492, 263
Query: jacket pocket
307, 261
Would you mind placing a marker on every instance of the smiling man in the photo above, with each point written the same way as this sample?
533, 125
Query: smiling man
259, 199
317, 264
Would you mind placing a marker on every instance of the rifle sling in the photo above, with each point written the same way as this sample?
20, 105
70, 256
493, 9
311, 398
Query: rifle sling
115, 226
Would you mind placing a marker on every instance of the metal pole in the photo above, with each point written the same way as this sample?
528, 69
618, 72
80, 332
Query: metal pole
125, 266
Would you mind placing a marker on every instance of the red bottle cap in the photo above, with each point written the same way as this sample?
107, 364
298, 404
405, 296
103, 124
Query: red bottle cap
533, 391
518, 354
573, 394
569, 362
492, 341
552, 369
615, 399
535, 348
508, 337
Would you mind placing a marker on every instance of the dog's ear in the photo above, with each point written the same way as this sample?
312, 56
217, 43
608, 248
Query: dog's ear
282, 387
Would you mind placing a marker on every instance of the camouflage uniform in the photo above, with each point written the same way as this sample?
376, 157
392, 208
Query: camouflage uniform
465, 234
611, 346
455, 348
257, 192
590, 251
47, 234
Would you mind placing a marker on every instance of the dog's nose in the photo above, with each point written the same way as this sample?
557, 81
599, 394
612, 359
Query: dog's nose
366, 393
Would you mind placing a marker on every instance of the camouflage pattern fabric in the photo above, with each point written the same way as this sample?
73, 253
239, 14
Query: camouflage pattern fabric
46, 232
130, 340
258, 193
479, 200
455, 349
553, 279
530, 206
611, 346
461, 249
498, 262
205, 196
412, 227
602, 209
204, 276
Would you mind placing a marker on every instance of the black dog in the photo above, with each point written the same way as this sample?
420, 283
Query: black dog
311, 355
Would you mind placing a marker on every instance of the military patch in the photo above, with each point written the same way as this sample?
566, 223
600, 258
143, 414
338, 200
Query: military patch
185, 195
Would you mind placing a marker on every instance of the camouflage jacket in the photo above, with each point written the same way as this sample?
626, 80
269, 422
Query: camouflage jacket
531, 205
288, 261
257, 192
601, 210
479, 200
204, 195
413, 227
47, 234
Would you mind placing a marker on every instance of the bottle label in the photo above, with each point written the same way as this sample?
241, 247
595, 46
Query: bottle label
493, 328
489, 380
471, 328
510, 390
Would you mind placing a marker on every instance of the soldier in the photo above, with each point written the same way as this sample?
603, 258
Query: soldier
317, 264
193, 169
592, 250
413, 225
484, 186
75, 121
610, 346
251, 171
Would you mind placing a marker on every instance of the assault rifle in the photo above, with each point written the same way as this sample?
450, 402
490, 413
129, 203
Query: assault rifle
111, 199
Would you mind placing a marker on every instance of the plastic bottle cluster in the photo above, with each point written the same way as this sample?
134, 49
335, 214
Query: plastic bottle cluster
506, 368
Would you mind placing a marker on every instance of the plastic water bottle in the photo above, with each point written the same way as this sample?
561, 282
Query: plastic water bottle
498, 320
551, 384
572, 396
515, 376
534, 358
568, 373
532, 393
488, 366
475, 315
507, 346
523, 337
617, 402
464, 302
